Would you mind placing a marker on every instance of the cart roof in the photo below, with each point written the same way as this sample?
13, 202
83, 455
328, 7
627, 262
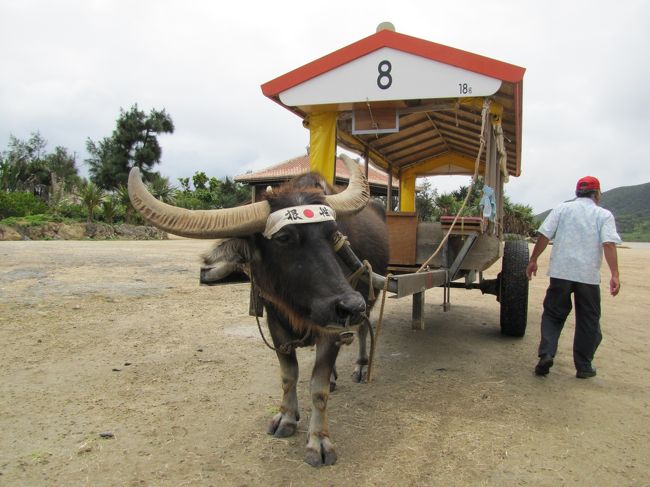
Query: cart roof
430, 92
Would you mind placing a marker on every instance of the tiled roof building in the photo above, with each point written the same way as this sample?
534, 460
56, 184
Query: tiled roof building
279, 173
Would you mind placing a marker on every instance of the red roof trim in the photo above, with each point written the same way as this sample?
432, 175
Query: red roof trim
413, 45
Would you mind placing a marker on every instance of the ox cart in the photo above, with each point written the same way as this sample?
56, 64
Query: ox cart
414, 108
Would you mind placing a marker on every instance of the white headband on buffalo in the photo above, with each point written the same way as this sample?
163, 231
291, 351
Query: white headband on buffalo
297, 215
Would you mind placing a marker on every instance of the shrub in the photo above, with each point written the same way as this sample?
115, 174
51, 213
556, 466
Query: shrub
191, 201
20, 203
72, 210
109, 209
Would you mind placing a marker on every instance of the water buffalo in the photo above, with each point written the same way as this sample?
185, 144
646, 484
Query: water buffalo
286, 242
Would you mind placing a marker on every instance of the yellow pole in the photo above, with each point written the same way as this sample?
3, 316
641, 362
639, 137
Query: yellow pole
322, 143
407, 191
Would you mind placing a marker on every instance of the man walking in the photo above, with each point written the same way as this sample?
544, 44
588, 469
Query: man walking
581, 232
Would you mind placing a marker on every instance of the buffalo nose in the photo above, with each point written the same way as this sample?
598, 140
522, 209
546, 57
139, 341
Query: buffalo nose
352, 307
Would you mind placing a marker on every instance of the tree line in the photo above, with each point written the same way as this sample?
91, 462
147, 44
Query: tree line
35, 181
518, 219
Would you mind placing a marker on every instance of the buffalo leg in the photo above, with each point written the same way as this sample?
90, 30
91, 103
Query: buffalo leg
320, 449
333, 378
285, 423
360, 373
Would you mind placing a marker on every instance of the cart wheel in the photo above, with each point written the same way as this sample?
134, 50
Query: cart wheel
513, 289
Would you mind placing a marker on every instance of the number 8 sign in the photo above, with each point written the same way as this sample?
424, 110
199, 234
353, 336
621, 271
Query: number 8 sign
372, 78
384, 80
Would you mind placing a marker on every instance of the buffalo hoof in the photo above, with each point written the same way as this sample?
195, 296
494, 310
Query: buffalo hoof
320, 452
282, 426
360, 374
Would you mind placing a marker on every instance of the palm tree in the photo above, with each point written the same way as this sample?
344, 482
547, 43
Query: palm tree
517, 218
122, 195
91, 196
446, 204
109, 208
162, 189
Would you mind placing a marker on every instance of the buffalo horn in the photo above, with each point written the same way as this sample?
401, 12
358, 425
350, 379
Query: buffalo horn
240, 221
227, 222
355, 197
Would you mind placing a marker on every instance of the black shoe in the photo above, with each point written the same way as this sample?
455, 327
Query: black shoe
586, 374
544, 365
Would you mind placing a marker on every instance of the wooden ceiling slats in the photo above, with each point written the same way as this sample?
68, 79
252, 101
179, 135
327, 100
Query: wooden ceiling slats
448, 129
435, 146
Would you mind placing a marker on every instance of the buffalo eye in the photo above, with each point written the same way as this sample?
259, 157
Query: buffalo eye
285, 237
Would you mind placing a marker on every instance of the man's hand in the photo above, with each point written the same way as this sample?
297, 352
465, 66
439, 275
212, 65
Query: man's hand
531, 269
614, 285
540, 245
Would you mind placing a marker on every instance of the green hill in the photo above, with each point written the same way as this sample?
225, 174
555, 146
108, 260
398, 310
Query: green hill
631, 207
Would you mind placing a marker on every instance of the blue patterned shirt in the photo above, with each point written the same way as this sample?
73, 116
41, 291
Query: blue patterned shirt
578, 229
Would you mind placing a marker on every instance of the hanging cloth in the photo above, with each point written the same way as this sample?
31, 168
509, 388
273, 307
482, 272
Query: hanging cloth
488, 203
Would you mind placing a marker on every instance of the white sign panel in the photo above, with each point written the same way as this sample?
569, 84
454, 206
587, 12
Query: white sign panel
389, 74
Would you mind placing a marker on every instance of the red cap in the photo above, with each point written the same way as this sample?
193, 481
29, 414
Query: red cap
588, 183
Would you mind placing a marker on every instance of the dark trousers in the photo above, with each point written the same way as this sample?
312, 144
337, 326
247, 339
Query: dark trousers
557, 306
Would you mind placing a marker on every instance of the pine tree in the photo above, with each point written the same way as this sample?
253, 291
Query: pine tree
134, 143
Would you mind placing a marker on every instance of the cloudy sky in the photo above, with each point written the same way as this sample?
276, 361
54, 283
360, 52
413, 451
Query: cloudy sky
69, 66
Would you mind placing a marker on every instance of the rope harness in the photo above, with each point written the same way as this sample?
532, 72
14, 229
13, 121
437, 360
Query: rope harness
374, 338
353, 279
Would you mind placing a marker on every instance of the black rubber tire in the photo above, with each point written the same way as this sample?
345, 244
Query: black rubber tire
513, 288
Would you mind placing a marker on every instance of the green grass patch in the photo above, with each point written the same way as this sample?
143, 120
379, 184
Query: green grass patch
36, 220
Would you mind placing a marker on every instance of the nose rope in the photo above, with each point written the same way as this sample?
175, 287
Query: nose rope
345, 337
374, 338
338, 241
353, 278
285, 348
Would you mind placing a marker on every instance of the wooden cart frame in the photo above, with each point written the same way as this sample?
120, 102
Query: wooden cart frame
415, 108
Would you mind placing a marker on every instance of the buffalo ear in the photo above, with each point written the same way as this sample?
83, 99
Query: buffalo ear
233, 250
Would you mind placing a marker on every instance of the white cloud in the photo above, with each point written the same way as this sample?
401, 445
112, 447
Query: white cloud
69, 66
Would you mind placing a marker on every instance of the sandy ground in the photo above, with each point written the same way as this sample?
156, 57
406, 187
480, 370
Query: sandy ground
118, 337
